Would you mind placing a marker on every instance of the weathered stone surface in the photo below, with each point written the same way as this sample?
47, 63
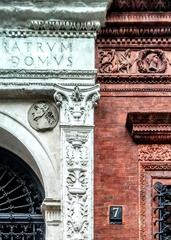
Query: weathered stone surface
47, 53
19, 12
43, 116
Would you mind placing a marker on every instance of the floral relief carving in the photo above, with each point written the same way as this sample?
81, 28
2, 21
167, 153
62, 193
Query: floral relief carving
154, 152
76, 104
146, 61
77, 186
112, 61
77, 120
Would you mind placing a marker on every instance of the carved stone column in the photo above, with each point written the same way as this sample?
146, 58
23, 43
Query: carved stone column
77, 121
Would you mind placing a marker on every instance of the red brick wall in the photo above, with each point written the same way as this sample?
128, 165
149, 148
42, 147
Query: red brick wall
116, 164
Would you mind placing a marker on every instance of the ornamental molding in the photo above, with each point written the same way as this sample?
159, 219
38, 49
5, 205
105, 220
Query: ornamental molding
23, 33
137, 41
143, 17
55, 28
149, 127
140, 5
126, 32
39, 74
64, 25
154, 152
136, 90
77, 104
134, 79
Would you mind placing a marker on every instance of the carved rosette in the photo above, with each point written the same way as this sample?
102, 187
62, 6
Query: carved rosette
76, 121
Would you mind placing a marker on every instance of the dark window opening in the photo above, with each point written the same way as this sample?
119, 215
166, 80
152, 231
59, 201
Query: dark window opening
163, 200
21, 195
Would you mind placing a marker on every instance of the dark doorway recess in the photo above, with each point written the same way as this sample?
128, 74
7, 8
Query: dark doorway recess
21, 195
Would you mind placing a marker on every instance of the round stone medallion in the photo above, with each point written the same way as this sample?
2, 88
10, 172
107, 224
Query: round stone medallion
43, 116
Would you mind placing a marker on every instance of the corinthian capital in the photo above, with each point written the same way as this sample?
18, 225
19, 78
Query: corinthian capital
77, 104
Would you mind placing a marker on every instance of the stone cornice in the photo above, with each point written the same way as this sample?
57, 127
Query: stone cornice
64, 25
133, 79
149, 127
46, 74
47, 31
14, 13
134, 31
140, 6
139, 17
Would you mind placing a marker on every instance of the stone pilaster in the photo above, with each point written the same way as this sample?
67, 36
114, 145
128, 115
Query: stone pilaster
52, 213
77, 121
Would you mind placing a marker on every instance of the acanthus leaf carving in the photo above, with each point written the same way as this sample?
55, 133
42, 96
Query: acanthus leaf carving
76, 185
76, 103
146, 61
112, 61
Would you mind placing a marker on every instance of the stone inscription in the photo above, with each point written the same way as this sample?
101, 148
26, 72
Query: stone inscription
36, 53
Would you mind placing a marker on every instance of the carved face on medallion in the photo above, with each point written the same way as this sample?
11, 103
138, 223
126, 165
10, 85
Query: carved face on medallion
43, 116
152, 61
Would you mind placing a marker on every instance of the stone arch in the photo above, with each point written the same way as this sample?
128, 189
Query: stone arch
20, 140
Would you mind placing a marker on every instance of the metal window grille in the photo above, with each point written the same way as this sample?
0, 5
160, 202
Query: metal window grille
21, 196
163, 211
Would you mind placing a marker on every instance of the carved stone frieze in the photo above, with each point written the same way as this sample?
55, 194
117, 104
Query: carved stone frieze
147, 61
77, 104
112, 61
154, 152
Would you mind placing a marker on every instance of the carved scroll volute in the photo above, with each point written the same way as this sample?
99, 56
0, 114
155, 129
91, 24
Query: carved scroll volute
77, 104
